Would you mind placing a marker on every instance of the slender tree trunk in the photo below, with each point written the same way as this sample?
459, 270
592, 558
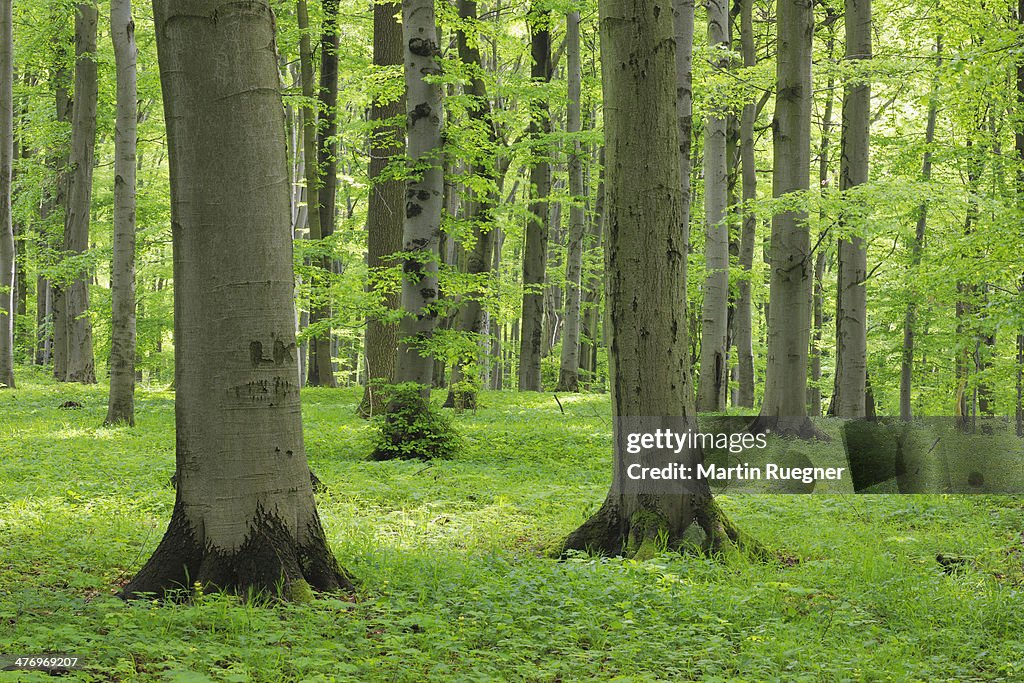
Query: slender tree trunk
714, 367
818, 284
244, 516
7, 266
595, 283
44, 315
568, 374
744, 335
851, 295
423, 195
785, 400
56, 200
646, 268
74, 299
384, 211
121, 404
917, 247
536, 245
321, 372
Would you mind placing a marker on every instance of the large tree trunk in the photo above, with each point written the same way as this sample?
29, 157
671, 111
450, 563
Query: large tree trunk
121, 403
424, 193
73, 306
568, 374
245, 517
646, 285
743, 322
917, 246
851, 294
714, 367
384, 212
7, 282
785, 399
536, 244
320, 369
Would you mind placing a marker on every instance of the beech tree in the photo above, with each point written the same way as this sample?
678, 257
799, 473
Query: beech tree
714, 366
536, 245
646, 270
7, 282
244, 514
73, 355
789, 316
384, 211
121, 403
851, 292
421, 229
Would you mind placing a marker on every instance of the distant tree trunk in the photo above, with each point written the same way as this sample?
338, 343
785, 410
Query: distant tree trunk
121, 403
595, 284
384, 211
714, 367
818, 283
851, 293
646, 269
743, 322
568, 374
7, 280
244, 515
44, 315
535, 253
785, 399
320, 370
56, 200
74, 298
917, 246
423, 196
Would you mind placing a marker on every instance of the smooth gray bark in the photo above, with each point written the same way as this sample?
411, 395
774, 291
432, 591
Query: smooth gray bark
244, 516
851, 295
121, 402
743, 322
785, 399
714, 367
73, 307
536, 243
384, 210
568, 374
423, 195
7, 281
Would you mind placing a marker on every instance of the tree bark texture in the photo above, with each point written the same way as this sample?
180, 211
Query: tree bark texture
121, 402
7, 254
244, 517
536, 245
785, 399
73, 307
743, 322
714, 367
568, 374
385, 208
423, 194
646, 276
851, 294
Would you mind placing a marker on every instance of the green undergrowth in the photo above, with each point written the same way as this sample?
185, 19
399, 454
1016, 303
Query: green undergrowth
452, 556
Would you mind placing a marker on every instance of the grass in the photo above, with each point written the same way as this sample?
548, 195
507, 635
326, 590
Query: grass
455, 580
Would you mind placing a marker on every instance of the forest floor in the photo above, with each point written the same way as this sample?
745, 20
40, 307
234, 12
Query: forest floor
456, 582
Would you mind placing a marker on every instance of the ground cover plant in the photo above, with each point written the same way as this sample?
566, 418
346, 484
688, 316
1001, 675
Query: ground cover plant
455, 576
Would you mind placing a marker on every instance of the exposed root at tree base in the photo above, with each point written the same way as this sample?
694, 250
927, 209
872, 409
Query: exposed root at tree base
270, 562
647, 532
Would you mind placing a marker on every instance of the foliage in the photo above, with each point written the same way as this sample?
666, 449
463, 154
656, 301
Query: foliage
412, 427
455, 579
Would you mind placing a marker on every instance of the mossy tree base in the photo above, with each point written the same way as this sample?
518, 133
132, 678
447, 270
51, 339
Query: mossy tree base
651, 527
271, 561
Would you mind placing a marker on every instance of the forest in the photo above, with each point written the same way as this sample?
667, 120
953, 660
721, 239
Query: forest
471, 340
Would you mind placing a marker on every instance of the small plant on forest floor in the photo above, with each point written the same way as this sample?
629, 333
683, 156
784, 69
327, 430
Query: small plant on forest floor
412, 427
